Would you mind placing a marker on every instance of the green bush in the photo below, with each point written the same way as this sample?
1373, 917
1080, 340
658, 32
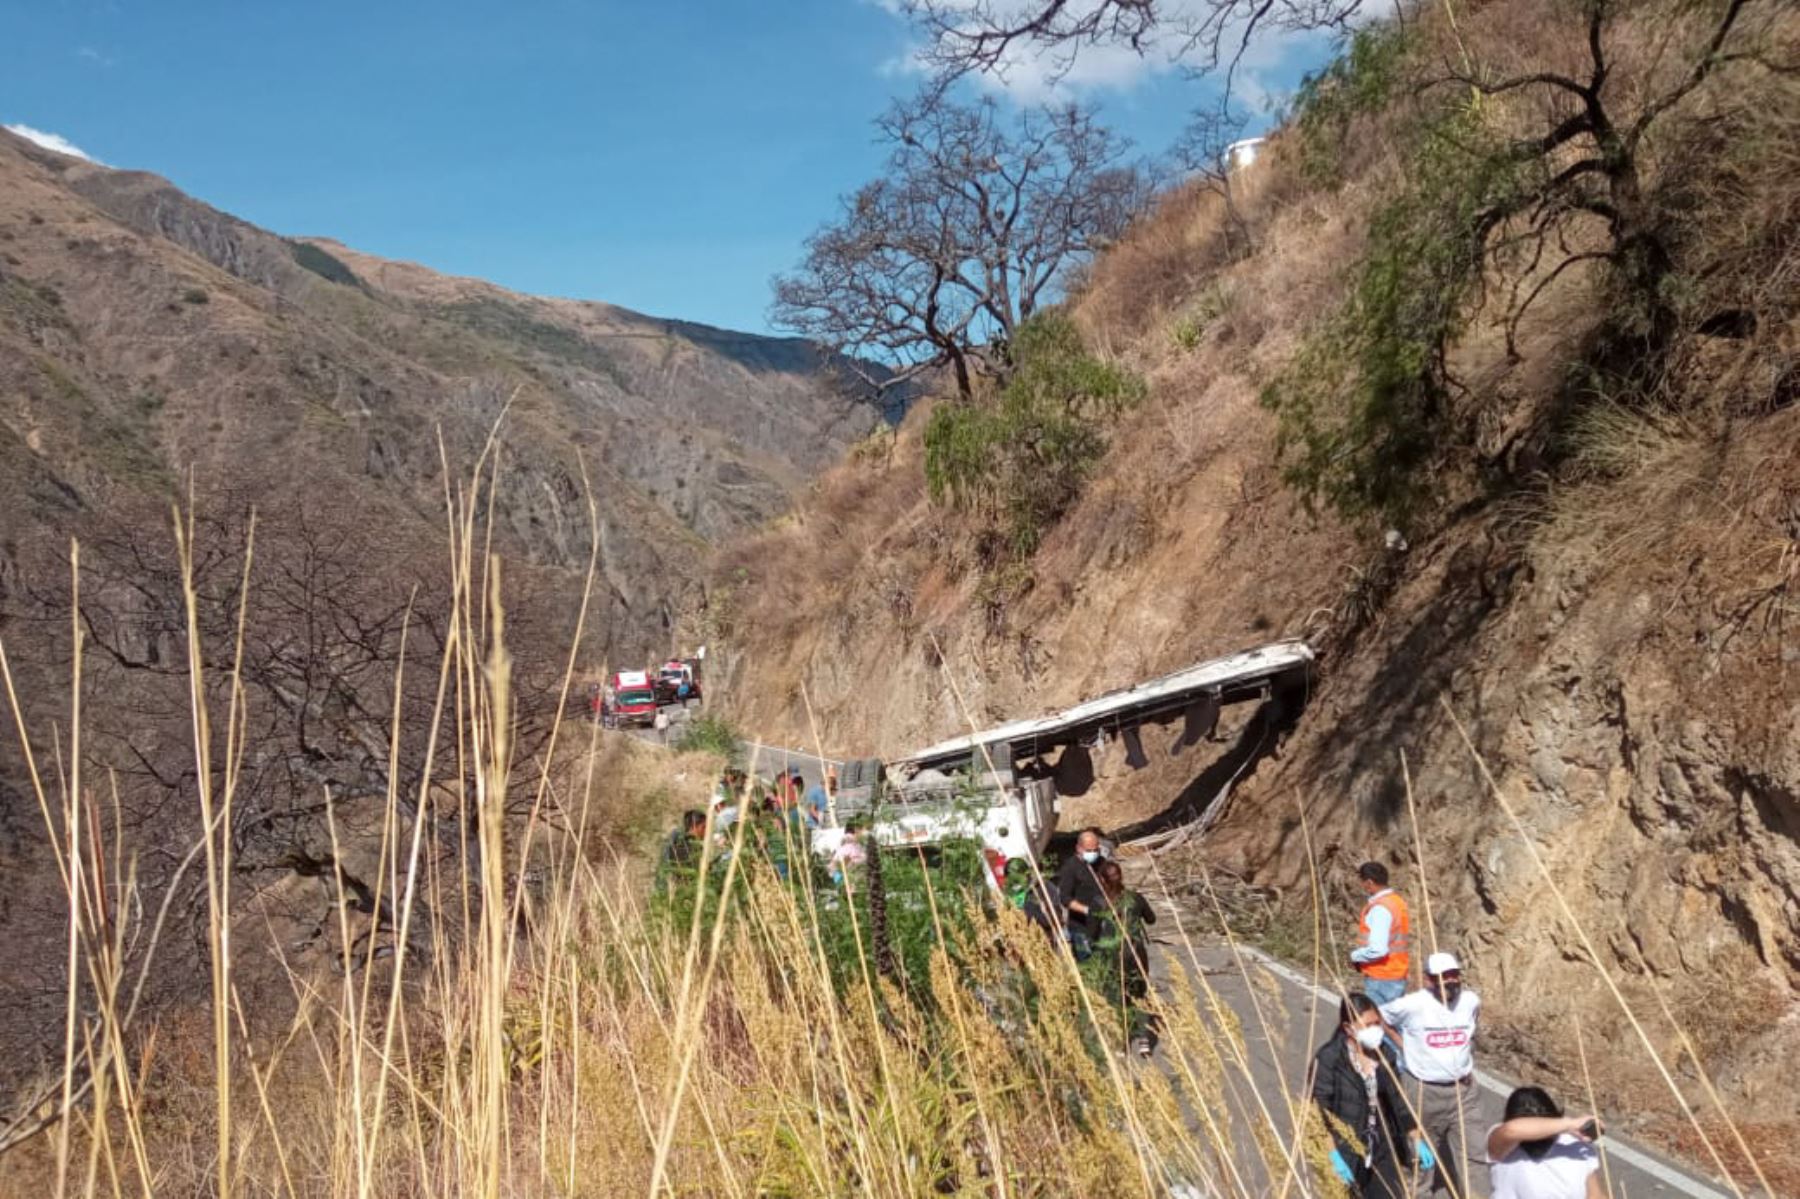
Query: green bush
712, 734
1362, 408
1359, 81
1212, 303
194, 295
935, 899
1022, 458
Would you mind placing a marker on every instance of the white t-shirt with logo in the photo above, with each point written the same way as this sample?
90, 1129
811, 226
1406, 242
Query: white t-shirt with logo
1438, 1041
1562, 1172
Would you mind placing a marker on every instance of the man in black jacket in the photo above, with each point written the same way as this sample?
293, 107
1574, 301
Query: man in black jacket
1078, 888
1353, 1081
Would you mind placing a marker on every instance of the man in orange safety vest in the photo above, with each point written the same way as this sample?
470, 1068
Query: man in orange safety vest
1384, 950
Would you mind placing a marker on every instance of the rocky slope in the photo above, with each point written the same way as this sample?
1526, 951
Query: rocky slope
1613, 624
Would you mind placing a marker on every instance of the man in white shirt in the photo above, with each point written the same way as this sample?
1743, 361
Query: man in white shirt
1437, 1032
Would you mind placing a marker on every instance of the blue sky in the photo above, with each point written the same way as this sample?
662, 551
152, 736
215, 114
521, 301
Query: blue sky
666, 156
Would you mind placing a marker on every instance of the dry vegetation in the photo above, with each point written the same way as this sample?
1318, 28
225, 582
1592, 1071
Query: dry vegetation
510, 1019
1602, 585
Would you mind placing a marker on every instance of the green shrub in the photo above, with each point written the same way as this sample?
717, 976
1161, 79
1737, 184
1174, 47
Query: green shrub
194, 295
712, 734
1359, 81
1362, 408
935, 899
1211, 304
1022, 458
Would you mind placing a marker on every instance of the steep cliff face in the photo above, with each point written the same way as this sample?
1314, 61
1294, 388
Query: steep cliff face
1608, 610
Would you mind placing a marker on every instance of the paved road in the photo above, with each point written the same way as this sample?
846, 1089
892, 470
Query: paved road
767, 761
1280, 1038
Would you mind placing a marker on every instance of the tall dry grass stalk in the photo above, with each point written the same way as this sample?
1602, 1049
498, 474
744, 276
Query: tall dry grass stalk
520, 1023
523, 1022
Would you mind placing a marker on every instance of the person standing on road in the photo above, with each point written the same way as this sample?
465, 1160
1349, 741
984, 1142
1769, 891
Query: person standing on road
1538, 1153
1384, 949
1078, 888
1354, 1079
661, 725
1437, 1033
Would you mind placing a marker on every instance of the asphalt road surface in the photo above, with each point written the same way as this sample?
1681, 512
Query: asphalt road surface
1281, 1037
765, 761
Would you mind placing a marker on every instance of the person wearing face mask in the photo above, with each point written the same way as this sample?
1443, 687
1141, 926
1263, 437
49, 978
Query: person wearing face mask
1078, 886
1354, 1080
1538, 1153
1437, 1035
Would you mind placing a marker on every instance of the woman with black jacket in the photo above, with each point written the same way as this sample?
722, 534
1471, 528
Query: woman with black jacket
1353, 1081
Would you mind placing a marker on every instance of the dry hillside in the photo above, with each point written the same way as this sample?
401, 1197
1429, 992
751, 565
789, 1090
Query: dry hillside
156, 350
1601, 588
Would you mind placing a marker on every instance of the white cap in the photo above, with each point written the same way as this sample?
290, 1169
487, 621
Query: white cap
1441, 963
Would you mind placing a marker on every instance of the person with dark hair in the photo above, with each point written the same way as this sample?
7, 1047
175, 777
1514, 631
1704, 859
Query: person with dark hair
1383, 953
850, 854
1353, 1080
1025, 894
1538, 1153
681, 855
1119, 965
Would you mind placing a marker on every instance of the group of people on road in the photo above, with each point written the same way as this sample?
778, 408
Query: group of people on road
1397, 1080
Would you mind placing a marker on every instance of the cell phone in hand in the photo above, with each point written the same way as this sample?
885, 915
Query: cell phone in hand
1590, 1130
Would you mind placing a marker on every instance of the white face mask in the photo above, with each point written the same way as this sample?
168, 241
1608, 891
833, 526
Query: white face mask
1370, 1036
1090, 856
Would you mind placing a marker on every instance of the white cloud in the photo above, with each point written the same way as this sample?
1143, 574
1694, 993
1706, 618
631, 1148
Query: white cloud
1032, 74
53, 141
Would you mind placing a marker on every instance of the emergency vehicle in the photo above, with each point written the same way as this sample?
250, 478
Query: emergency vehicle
634, 699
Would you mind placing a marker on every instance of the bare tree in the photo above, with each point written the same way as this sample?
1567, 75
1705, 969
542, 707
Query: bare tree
965, 235
990, 36
1589, 162
1203, 154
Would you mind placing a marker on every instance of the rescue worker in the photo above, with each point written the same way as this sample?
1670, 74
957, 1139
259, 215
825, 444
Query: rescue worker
1353, 1079
1437, 1033
818, 801
681, 855
1121, 953
1024, 895
1078, 888
850, 854
1384, 949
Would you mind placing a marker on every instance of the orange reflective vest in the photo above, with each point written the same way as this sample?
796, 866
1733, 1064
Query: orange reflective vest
1399, 954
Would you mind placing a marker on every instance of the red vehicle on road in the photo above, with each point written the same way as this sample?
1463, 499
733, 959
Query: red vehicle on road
634, 699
